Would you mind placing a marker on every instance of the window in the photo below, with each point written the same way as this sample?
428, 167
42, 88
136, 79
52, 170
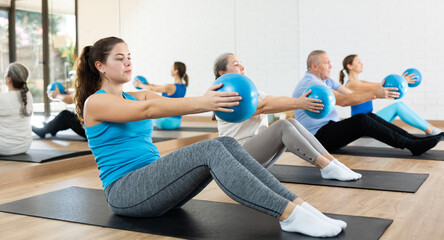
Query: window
4, 41
29, 45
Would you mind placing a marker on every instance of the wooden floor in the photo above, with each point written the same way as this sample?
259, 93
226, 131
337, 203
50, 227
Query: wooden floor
416, 216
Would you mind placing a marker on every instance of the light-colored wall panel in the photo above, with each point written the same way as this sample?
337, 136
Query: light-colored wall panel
97, 19
160, 32
389, 37
267, 43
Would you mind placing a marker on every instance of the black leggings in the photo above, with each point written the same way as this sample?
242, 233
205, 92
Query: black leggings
65, 120
335, 135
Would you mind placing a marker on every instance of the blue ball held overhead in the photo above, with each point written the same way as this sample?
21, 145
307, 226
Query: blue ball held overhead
397, 81
417, 78
327, 97
52, 87
142, 79
234, 82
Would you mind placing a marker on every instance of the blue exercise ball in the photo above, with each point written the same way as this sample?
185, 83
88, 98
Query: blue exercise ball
397, 81
234, 82
52, 87
417, 74
168, 123
327, 97
142, 79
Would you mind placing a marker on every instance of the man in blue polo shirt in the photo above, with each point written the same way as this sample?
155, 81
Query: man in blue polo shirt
334, 133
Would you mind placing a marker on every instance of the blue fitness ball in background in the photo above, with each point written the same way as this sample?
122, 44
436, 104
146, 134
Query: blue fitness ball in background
142, 79
327, 97
234, 82
417, 74
168, 123
397, 81
52, 87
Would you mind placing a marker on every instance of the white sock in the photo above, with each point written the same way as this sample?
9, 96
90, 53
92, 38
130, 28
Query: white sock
357, 175
305, 222
333, 171
316, 212
435, 131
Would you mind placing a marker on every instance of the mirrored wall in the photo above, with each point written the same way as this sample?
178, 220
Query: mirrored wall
29, 45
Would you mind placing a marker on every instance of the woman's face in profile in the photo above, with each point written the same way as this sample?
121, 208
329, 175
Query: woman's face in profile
234, 65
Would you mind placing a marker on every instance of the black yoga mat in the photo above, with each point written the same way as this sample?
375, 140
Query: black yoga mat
374, 180
388, 152
424, 135
190, 129
38, 155
414, 134
197, 219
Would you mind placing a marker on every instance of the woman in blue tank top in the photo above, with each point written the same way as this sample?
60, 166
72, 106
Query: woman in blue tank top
352, 65
138, 182
175, 90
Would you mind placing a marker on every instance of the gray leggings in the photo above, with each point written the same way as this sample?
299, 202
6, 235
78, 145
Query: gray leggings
267, 146
174, 179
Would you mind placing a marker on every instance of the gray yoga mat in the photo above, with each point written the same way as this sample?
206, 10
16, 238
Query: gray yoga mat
61, 136
190, 129
72, 137
161, 139
197, 219
388, 152
38, 155
64, 135
373, 180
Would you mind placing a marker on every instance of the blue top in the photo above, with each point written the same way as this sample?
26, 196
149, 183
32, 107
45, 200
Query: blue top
181, 89
312, 124
120, 148
366, 107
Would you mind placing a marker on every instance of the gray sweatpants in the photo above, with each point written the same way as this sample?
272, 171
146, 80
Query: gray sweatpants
174, 179
267, 146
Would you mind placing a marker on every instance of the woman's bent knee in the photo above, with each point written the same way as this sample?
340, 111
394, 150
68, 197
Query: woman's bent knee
283, 124
361, 118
